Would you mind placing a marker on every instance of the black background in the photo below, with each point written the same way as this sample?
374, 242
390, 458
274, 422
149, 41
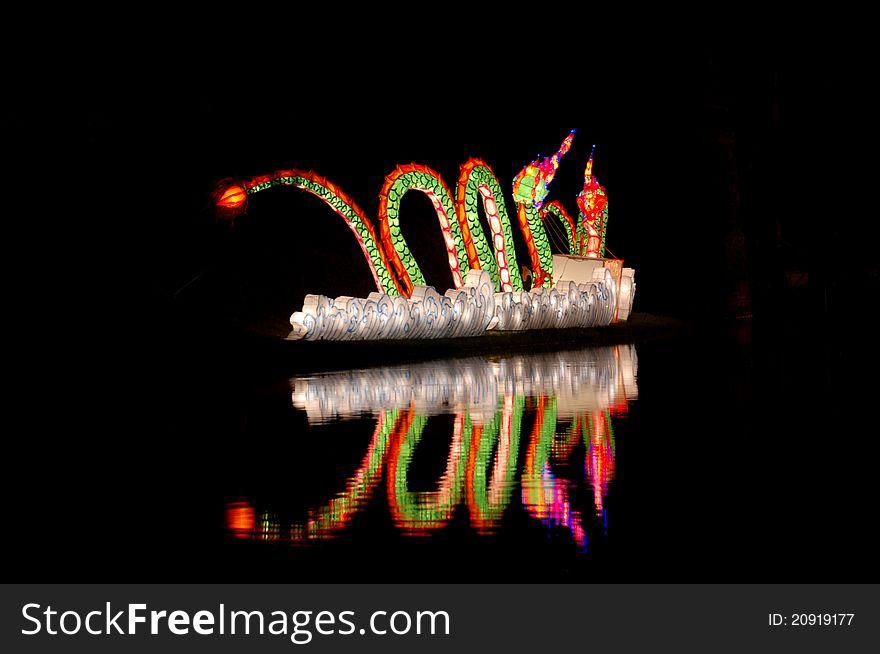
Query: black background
112, 337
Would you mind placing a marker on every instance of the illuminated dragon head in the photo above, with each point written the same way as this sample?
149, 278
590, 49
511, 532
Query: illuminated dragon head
533, 182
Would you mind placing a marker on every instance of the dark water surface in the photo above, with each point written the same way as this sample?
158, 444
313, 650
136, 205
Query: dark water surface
722, 455
743, 453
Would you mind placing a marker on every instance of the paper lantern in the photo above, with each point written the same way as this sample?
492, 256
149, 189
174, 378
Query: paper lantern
232, 198
422, 312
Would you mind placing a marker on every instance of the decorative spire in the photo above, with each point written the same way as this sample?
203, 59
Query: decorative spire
533, 182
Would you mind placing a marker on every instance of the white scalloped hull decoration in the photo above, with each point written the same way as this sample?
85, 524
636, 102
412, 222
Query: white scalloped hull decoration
469, 311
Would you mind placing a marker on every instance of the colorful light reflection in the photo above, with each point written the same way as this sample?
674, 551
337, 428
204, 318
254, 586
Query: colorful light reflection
568, 399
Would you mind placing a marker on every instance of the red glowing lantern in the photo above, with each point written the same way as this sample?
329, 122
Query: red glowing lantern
232, 198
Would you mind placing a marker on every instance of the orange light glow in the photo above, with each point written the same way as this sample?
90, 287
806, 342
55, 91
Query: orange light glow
232, 198
240, 519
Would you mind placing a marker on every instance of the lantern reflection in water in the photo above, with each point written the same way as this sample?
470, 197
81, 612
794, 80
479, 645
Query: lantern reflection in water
517, 423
